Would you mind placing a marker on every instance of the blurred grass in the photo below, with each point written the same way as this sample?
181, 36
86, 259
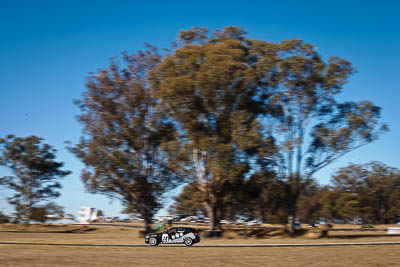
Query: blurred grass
164, 255
77, 234
181, 256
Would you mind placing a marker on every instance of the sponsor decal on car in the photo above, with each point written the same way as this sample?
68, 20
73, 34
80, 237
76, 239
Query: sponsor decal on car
188, 236
176, 238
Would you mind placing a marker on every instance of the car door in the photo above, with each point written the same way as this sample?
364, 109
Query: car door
172, 234
165, 237
180, 232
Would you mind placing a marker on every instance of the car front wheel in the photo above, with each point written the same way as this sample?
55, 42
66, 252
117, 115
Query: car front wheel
188, 241
153, 241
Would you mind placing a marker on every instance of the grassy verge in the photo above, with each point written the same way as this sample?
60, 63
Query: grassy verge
172, 256
121, 235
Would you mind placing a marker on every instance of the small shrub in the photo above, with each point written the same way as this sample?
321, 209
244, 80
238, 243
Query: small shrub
212, 233
3, 218
367, 226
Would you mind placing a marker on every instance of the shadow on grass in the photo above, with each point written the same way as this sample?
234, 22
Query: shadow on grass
265, 233
358, 236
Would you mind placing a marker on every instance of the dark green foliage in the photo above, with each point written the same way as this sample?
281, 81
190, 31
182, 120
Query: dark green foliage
34, 171
53, 208
328, 204
222, 107
309, 127
261, 196
3, 218
188, 201
348, 206
206, 86
245, 104
309, 203
38, 213
371, 191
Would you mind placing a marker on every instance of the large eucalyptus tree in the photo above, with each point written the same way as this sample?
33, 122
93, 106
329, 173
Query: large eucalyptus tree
205, 85
123, 134
311, 128
221, 107
232, 96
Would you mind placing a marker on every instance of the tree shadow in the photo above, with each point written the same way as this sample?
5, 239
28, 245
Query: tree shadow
358, 236
66, 231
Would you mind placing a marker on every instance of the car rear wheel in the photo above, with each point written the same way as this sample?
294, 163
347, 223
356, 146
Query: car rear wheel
188, 241
153, 241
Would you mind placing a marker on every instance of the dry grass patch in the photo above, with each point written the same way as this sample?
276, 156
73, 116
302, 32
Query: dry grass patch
90, 234
181, 256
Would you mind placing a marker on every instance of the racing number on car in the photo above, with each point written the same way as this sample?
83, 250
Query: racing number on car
164, 238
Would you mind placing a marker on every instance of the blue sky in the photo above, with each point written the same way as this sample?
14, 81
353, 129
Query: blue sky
47, 49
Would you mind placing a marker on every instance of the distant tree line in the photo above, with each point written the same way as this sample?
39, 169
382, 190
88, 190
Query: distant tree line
370, 192
247, 123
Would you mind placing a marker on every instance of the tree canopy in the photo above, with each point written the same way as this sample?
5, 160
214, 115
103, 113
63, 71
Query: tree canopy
246, 105
311, 129
123, 134
205, 86
221, 110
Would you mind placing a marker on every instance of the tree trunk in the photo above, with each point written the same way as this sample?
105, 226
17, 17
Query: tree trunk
27, 213
293, 191
292, 220
147, 223
213, 219
213, 209
147, 214
292, 212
